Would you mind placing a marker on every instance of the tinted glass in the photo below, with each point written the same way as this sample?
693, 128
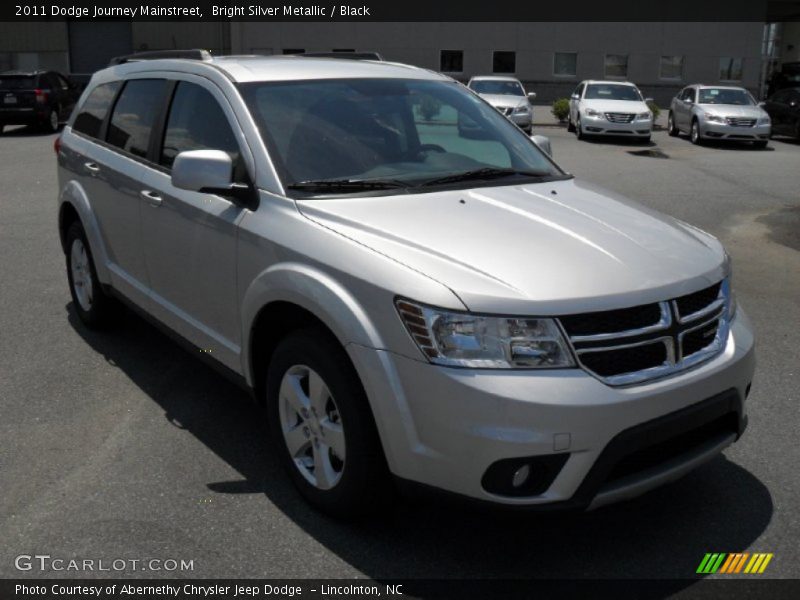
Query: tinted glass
505, 88
196, 122
616, 65
134, 115
610, 91
452, 61
17, 82
565, 63
725, 96
94, 110
504, 62
405, 130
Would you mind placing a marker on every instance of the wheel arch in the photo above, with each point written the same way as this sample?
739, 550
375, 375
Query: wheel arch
74, 205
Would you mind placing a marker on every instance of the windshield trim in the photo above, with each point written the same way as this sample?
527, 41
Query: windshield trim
286, 181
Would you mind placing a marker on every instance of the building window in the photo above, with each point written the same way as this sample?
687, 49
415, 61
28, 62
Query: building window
730, 69
294, 50
451, 61
565, 64
504, 62
671, 67
616, 65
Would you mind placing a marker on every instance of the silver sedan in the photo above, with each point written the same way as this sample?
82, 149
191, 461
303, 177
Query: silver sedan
718, 113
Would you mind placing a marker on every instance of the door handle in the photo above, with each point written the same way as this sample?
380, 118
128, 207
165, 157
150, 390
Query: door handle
93, 168
151, 198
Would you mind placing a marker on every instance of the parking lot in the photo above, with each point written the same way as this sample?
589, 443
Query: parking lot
122, 445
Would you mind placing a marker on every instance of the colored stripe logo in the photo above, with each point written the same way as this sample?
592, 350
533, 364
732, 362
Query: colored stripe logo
737, 562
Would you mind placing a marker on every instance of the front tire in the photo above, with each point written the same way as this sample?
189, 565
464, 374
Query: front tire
322, 426
93, 305
671, 129
570, 126
694, 135
579, 129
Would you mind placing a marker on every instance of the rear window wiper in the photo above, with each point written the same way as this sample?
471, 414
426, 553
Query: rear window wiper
346, 185
484, 173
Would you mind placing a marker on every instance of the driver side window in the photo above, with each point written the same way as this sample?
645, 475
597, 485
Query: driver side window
197, 122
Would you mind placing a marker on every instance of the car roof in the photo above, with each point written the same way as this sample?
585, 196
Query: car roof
21, 73
717, 87
243, 69
628, 83
494, 78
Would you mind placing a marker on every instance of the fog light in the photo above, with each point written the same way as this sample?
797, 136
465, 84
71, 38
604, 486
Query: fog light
521, 476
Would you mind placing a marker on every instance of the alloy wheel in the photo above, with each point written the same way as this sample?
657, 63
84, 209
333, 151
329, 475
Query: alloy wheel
81, 275
312, 427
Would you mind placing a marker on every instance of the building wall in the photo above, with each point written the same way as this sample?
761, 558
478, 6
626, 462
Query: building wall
701, 44
790, 43
34, 46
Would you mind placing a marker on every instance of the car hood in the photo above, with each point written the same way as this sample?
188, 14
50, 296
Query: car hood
504, 100
733, 110
546, 249
627, 106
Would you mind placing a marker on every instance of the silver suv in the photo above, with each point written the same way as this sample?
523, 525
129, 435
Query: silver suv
416, 298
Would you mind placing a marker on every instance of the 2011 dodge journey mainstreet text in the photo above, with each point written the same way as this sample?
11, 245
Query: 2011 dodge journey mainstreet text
415, 291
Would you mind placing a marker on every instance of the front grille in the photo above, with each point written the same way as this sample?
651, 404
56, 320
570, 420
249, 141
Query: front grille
608, 363
614, 117
611, 321
640, 343
692, 303
506, 111
740, 121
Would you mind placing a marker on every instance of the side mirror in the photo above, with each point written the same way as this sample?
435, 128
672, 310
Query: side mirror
209, 172
575, 97
544, 143
648, 100
762, 104
531, 96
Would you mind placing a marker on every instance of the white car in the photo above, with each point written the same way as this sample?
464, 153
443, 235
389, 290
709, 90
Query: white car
609, 108
508, 96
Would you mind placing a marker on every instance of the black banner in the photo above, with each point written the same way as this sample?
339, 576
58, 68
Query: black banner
405, 10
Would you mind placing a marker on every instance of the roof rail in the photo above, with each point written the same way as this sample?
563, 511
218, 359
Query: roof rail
203, 55
343, 54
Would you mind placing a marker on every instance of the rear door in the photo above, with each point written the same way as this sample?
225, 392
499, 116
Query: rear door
117, 165
190, 237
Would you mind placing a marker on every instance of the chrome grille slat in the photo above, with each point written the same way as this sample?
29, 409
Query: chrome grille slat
740, 121
615, 117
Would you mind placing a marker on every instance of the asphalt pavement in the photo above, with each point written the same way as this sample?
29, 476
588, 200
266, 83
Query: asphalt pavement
121, 445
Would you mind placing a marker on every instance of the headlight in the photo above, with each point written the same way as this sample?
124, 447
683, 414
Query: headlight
486, 342
522, 110
590, 112
764, 121
645, 116
714, 118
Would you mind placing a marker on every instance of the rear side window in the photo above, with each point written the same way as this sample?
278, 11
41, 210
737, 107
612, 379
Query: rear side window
94, 110
134, 115
196, 122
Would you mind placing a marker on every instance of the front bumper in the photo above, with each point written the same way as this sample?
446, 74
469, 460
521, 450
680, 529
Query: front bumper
444, 427
523, 121
723, 131
22, 116
602, 126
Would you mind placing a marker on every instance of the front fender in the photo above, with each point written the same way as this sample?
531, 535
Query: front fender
74, 195
314, 291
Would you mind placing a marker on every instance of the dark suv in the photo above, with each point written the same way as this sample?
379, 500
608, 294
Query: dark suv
40, 98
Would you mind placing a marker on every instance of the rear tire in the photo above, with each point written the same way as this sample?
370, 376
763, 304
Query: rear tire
671, 129
93, 306
322, 426
50, 125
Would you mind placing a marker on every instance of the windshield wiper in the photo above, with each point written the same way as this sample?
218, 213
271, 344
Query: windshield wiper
484, 173
346, 185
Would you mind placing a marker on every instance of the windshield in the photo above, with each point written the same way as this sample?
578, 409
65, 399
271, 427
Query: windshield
611, 91
504, 88
725, 96
17, 82
392, 133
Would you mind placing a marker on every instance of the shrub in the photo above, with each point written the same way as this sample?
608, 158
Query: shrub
560, 109
655, 110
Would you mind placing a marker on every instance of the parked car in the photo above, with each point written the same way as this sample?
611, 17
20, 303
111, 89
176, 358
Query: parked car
410, 305
714, 112
508, 96
41, 98
783, 109
609, 108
